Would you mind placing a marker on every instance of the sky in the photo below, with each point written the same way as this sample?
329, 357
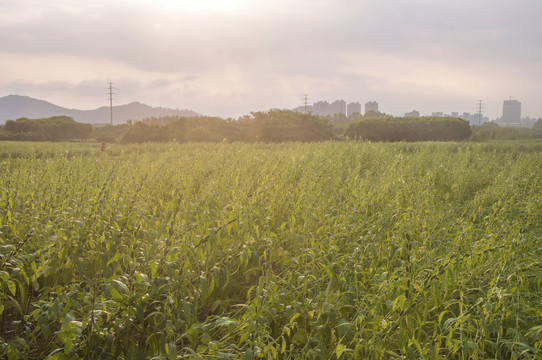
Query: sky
228, 58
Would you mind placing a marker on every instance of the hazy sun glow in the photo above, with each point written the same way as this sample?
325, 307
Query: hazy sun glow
202, 5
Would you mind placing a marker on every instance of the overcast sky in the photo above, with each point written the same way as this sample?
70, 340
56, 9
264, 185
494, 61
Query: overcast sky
231, 57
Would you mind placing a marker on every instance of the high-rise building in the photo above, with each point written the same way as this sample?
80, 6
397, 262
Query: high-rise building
320, 108
371, 106
337, 107
511, 112
352, 108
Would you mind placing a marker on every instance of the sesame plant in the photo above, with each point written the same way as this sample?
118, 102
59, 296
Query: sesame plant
335, 250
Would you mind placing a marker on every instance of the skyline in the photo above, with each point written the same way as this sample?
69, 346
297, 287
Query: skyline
228, 58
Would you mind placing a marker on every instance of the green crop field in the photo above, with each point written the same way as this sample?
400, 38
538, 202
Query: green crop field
335, 250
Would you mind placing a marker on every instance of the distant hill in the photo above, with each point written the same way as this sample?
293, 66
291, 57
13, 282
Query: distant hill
13, 107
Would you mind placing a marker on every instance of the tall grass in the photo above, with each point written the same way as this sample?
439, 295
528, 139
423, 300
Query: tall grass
317, 251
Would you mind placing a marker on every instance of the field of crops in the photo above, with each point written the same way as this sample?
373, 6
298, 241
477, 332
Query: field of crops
336, 250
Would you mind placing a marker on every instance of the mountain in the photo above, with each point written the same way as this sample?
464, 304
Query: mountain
13, 107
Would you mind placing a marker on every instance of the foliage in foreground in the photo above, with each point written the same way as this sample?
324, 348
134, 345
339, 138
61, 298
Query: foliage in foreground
317, 251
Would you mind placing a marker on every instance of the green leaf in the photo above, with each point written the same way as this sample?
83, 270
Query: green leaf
343, 327
142, 279
12, 286
5, 249
123, 289
12, 353
248, 355
113, 259
340, 349
399, 302
171, 351
193, 335
115, 294
224, 321
301, 337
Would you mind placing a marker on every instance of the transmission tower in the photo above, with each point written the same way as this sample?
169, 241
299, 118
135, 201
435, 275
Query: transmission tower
111, 93
480, 107
306, 99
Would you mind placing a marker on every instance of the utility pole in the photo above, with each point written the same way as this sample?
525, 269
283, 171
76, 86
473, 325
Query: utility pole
480, 107
111, 101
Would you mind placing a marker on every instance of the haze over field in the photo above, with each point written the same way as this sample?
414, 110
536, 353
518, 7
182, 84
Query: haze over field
228, 58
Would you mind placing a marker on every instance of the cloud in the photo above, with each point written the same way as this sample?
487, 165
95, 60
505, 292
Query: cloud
153, 40
266, 53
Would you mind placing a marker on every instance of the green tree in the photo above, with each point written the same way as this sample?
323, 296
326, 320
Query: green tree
409, 129
57, 128
373, 114
286, 125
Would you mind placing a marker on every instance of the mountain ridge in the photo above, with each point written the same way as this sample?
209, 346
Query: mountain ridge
13, 107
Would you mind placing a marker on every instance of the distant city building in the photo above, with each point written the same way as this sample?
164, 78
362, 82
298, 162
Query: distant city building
437, 113
371, 106
511, 112
352, 108
455, 114
304, 109
321, 108
474, 119
413, 113
469, 117
527, 121
337, 107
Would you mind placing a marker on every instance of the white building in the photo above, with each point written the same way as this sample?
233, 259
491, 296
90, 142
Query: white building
371, 106
321, 108
511, 112
337, 107
352, 108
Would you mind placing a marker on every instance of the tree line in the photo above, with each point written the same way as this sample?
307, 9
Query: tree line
57, 128
492, 131
270, 126
409, 129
